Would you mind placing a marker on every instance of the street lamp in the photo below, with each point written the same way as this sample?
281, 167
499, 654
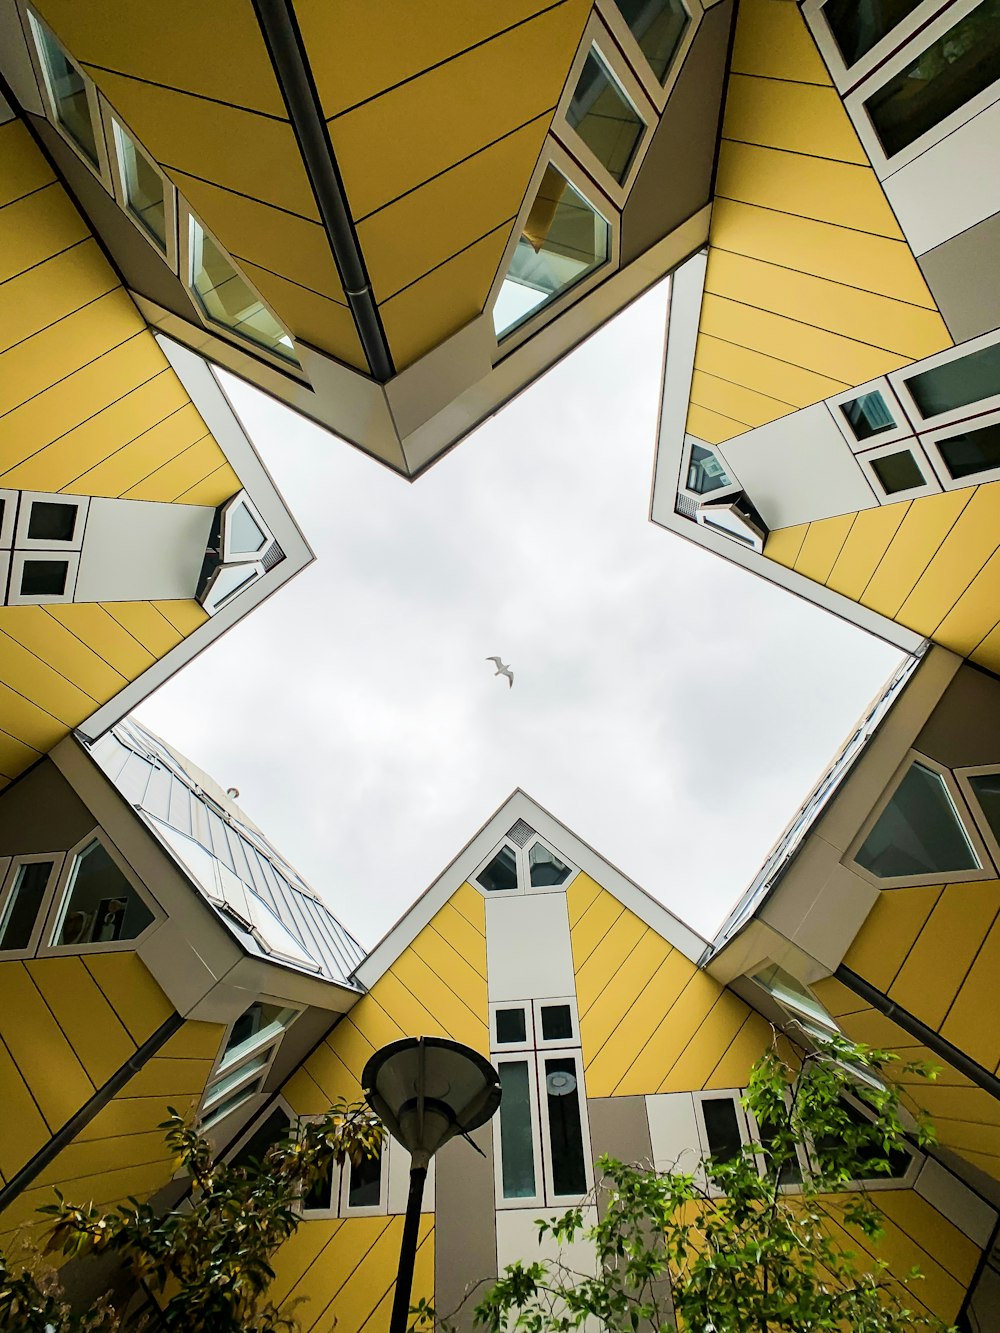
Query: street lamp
425, 1090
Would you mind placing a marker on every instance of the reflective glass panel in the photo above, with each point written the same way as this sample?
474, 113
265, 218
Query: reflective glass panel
705, 471
604, 118
103, 906
858, 25
546, 869
866, 1152
791, 1172
143, 188
227, 1106
563, 239
517, 1159
919, 832
269, 1132
557, 1022
228, 582
44, 578
562, 1093
51, 522
987, 789
957, 383
319, 1195
501, 873
68, 91
963, 62
898, 472
972, 451
364, 1187
868, 415
658, 26
510, 1026
245, 535
787, 990
722, 1128
258, 1021
22, 907
227, 299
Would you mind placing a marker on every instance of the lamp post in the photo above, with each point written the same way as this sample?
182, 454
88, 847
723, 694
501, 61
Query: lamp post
426, 1090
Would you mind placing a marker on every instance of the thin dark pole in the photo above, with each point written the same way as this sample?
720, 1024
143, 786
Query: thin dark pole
408, 1251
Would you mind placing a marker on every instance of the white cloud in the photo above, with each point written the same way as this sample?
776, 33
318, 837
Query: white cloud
669, 707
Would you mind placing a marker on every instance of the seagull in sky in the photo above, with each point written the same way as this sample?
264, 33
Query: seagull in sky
503, 670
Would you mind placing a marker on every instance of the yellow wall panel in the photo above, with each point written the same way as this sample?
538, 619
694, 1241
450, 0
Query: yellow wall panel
471, 904
397, 141
774, 42
213, 489
411, 236
97, 1157
784, 544
160, 1077
359, 1249
35, 679
796, 117
651, 1067
51, 290
82, 1011
310, 317
710, 426
579, 896
916, 541
15, 755
24, 168
195, 1040
749, 1044
618, 948
774, 378
469, 940
807, 187
104, 1190
298, 1254
467, 980
962, 554
131, 991
29, 723
25, 1131
591, 930
866, 544
179, 474
709, 1040
144, 623
438, 305
722, 395
971, 1022
423, 1280
976, 612
92, 624
35, 228
43, 635
45, 1059
630, 1003
185, 617
889, 931
821, 546
455, 1017
166, 438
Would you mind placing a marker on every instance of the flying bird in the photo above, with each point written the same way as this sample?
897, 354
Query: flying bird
502, 670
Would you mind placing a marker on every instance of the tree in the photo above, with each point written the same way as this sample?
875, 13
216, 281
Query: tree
204, 1266
751, 1243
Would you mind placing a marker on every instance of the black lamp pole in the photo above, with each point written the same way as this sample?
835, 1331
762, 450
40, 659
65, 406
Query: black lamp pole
408, 1251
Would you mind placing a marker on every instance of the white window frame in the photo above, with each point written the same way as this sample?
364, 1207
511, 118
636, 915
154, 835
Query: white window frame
229, 556
981, 406
23, 542
11, 867
720, 492
597, 38
525, 852
17, 598
574, 1053
523, 865
187, 220
555, 155
855, 100
265, 1042
715, 505
552, 1043
902, 430
867, 1183
210, 604
59, 903
910, 445
986, 868
536, 1200
103, 168
504, 1047
931, 441
8, 523
113, 130
658, 93
704, 1146
340, 1179
962, 776
847, 77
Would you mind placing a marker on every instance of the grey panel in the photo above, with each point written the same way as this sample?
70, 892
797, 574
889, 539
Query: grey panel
42, 813
675, 178
619, 1127
134, 257
465, 1240
964, 278
964, 729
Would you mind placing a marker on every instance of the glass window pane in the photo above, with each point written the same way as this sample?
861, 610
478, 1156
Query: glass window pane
858, 25
604, 118
228, 1105
829, 1148
562, 1093
705, 471
103, 905
546, 869
501, 873
787, 990
868, 415
143, 188
245, 535
919, 832
236, 1077
517, 1159
256, 1023
319, 1196
957, 383
510, 1026
23, 904
44, 578
364, 1188
227, 299
658, 26
987, 790
950, 72
229, 581
972, 451
898, 472
51, 522
563, 239
269, 1132
722, 1128
791, 1172
557, 1022
69, 92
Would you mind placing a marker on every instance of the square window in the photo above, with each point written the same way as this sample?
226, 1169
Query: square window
898, 472
918, 833
44, 578
511, 1026
51, 521
557, 1022
604, 118
868, 415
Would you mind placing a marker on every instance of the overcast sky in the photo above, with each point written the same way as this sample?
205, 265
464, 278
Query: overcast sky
669, 707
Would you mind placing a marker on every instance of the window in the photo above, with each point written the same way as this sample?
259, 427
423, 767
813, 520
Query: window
960, 64
868, 415
246, 1058
143, 188
517, 1147
898, 471
971, 452
271, 1130
791, 994
858, 25
604, 117
364, 1182
68, 91
546, 869
957, 383
918, 833
510, 1026
825, 1152
500, 876
43, 578
101, 906
513, 869
563, 239
28, 882
343, 1189
227, 299
51, 521
658, 26
557, 1022
705, 471
244, 534
722, 1128
986, 789
226, 582
562, 1093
